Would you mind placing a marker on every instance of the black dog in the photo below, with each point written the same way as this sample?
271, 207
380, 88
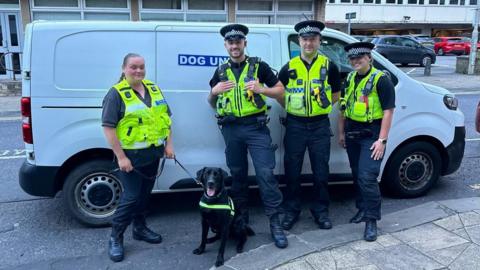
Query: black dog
218, 214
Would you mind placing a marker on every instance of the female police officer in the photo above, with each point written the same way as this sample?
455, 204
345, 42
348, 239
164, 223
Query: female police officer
136, 122
367, 103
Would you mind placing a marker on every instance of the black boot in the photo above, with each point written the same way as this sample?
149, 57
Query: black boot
115, 245
322, 220
276, 230
370, 233
358, 217
142, 233
289, 220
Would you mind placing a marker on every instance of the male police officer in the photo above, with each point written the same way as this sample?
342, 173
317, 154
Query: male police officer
312, 85
238, 94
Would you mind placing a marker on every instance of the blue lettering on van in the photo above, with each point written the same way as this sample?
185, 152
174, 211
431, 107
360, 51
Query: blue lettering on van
201, 60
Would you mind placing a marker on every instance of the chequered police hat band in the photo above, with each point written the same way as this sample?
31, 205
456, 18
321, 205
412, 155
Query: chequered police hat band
234, 32
358, 51
309, 29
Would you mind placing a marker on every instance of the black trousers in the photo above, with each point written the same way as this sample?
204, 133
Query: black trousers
314, 136
137, 188
365, 172
254, 138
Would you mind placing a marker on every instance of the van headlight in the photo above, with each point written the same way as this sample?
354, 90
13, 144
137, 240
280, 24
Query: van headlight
451, 102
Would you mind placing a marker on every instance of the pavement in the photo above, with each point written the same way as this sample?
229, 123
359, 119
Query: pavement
454, 82
434, 235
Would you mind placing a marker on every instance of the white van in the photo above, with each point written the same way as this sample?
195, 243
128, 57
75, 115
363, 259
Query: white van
69, 66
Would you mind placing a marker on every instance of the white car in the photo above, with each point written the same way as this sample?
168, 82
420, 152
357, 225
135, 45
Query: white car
69, 67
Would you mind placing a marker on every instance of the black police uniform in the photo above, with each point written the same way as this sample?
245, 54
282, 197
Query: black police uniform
251, 133
312, 133
359, 137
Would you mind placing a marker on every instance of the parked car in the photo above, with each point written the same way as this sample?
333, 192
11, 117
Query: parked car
425, 40
360, 37
468, 44
403, 50
449, 45
62, 95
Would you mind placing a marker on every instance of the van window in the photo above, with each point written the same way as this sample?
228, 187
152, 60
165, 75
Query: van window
333, 49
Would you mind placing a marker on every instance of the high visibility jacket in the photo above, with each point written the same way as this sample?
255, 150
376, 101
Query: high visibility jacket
308, 92
142, 126
238, 101
362, 103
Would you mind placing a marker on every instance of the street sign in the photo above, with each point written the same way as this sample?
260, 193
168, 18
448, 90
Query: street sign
351, 15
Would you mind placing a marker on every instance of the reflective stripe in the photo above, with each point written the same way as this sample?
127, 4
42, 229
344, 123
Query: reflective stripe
141, 145
228, 206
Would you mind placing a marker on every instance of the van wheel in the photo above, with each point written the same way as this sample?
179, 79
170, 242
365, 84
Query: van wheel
92, 193
412, 170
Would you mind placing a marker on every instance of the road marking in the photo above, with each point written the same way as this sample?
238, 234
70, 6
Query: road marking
10, 118
472, 140
13, 153
13, 157
412, 70
475, 186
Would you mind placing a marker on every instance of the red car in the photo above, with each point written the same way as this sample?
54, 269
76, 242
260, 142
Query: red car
445, 45
468, 45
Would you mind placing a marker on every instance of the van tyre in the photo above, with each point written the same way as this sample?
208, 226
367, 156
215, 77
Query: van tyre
92, 193
412, 170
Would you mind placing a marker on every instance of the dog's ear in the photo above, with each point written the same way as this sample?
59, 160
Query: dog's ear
224, 174
200, 174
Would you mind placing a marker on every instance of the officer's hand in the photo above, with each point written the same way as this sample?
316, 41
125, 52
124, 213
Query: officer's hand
168, 152
341, 140
254, 86
378, 149
222, 87
125, 165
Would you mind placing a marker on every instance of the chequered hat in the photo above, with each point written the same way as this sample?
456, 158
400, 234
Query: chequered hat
309, 28
234, 31
358, 49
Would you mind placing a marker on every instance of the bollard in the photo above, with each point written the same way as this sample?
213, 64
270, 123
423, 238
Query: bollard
427, 71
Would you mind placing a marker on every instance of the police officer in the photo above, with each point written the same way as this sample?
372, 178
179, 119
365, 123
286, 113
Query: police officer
239, 93
136, 122
368, 103
312, 86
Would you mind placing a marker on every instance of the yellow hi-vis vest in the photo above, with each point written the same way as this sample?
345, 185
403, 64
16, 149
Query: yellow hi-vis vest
308, 92
142, 126
238, 101
362, 103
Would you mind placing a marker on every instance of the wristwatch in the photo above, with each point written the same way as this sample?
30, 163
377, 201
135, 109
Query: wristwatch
383, 141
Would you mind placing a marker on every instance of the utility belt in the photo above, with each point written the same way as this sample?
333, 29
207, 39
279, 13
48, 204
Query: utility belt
260, 119
359, 134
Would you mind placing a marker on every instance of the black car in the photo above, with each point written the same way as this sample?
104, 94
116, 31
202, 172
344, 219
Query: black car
403, 50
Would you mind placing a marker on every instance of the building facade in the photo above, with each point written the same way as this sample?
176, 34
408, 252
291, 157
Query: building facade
433, 17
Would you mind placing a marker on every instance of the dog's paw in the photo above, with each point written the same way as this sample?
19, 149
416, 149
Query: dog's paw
198, 251
219, 262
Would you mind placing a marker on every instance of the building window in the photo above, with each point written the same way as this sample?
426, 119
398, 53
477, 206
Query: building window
453, 2
106, 4
345, 1
295, 5
55, 3
421, 2
473, 2
80, 9
390, 1
162, 4
255, 5
206, 4
412, 2
433, 2
462, 2
368, 1
184, 10
378, 1
333, 1
9, 4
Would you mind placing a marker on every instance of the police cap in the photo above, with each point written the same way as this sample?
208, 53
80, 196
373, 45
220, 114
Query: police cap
358, 49
234, 31
309, 28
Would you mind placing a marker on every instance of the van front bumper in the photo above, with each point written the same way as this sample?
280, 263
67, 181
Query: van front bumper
38, 180
455, 152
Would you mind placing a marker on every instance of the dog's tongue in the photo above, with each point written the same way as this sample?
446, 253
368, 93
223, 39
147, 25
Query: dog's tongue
210, 192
